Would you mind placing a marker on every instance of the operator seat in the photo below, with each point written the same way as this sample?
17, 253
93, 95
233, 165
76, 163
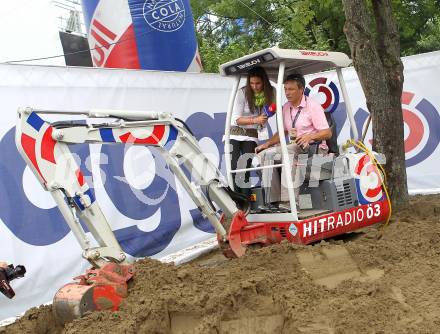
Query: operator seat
332, 143
323, 171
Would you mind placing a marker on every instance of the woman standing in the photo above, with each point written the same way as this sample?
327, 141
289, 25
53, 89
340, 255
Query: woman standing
247, 118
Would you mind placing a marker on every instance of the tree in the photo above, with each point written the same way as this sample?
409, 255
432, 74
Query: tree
227, 29
374, 40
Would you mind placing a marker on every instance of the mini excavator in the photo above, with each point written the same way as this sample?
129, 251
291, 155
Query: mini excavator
349, 191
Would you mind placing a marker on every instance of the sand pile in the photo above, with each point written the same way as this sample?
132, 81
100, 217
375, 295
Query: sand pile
356, 284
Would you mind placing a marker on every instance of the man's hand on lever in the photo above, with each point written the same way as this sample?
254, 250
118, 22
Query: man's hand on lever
304, 140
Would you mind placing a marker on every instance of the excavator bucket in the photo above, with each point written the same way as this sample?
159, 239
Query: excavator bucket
97, 290
233, 247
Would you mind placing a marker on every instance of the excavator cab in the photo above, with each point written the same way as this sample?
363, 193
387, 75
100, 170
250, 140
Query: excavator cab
337, 188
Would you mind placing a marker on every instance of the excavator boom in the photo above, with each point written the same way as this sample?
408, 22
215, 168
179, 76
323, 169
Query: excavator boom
45, 148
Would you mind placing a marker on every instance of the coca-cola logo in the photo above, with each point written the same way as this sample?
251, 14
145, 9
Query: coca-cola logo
164, 15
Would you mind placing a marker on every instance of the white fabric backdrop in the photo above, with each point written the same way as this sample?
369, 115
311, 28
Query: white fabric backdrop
198, 98
33, 233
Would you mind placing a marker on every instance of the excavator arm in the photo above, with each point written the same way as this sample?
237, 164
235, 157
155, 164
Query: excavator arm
45, 148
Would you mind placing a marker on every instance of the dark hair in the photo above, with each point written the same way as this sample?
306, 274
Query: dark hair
298, 78
258, 72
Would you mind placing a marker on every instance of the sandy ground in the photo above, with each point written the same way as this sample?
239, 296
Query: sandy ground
357, 284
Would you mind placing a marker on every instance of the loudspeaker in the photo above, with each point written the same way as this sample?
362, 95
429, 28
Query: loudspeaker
76, 50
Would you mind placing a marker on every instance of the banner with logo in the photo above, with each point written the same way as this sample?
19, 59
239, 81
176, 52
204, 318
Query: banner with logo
150, 213
147, 34
148, 210
421, 114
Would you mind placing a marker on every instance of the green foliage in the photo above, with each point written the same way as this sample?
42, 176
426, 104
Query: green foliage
419, 25
430, 38
227, 29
